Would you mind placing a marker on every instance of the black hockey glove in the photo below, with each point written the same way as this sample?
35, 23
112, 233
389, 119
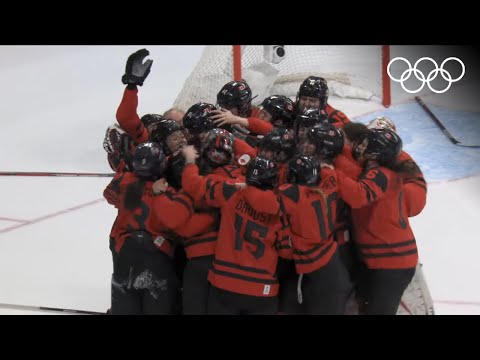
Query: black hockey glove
136, 71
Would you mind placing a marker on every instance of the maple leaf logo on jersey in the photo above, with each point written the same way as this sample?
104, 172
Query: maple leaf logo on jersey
244, 159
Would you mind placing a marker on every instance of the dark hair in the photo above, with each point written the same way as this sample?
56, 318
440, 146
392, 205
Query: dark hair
133, 195
407, 168
355, 131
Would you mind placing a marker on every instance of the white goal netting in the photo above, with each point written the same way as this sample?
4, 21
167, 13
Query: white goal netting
351, 71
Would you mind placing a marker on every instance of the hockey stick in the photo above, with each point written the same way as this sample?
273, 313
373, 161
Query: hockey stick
44, 308
440, 125
65, 174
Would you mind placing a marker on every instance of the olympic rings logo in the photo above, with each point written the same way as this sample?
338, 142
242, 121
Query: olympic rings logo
432, 75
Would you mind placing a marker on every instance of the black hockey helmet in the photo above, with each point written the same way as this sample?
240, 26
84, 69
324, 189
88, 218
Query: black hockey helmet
327, 138
149, 161
385, 145
315, 87
280, 108
161, 130
236, 94
308, 119
262, 173
150, 119
218, 148
303, 170
281, 141
197, 119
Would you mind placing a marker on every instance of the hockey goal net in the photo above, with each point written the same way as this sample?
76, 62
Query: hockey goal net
351, 71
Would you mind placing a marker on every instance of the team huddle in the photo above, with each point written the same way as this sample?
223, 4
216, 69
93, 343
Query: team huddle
233, 209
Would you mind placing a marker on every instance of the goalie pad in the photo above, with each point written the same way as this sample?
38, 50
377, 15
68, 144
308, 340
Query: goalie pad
416, 299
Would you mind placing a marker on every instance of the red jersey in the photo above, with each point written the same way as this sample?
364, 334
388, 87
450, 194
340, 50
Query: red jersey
243, 152
203, 244
336, 117
347, 163
415, 188
157, 215
259, 126
379, 216
312, 214
245, 254
128, 118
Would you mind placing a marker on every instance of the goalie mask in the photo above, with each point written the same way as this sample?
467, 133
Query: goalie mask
382, 122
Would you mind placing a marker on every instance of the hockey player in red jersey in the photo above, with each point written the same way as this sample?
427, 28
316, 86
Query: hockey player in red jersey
278, 145
243, 275
144, 280
325, 142
235, 102
310, 201
275, 111
313, 93
198, 120
135, 74
215, 163
414, 184
140, 129
384, 239
306, 121
149, 215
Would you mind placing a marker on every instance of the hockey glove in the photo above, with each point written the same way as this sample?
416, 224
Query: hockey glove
136, 71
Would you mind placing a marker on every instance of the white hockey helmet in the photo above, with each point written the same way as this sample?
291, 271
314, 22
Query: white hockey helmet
382, 122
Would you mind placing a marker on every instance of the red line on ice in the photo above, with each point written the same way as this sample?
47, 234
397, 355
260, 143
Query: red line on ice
14, 220
458, 302
49, 216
